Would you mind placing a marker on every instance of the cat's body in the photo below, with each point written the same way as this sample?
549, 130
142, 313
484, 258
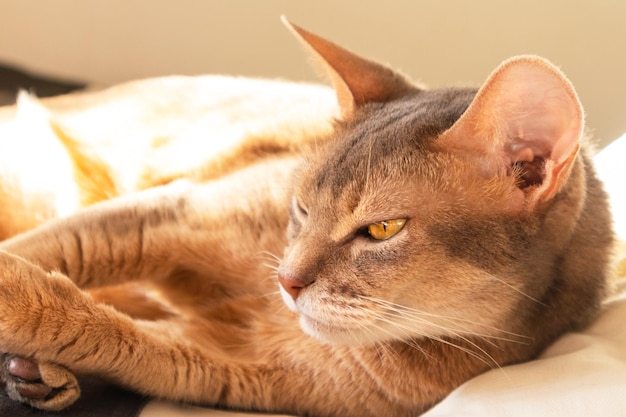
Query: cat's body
426, 237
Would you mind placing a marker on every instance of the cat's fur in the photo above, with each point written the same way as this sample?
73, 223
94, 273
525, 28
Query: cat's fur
505, 247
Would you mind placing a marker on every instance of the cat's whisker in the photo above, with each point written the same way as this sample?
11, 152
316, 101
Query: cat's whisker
271, 255
412, 318
457, 321
388, 332
409, 340
480, 354
386, 350
406, 312
411, 333
486, 358
273, 275
270, 259
369, 162
270, 294
281, 306
269, 266
458, 329
381, 350
517, 290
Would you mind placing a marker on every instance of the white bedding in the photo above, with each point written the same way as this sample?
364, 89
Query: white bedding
581, 375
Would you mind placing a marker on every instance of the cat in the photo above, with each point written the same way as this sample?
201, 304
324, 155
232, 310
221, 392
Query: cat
366, 269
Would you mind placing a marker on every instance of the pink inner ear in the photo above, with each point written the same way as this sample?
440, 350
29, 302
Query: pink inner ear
526, 115
541, 115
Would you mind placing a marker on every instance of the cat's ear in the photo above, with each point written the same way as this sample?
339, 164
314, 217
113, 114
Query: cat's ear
356, 80
526, 119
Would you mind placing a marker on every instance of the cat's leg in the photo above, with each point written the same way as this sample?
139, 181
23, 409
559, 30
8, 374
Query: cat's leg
47, 318
148, 236
46, 386
112, 242
225, 225
52, 387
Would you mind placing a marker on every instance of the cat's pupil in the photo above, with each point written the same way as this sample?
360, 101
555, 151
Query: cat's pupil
385, 229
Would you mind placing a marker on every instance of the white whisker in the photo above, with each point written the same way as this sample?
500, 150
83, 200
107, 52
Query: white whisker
517, 290
269, 257
369, 163
457, 321
271, 294
272, 267
487, 359
459, 330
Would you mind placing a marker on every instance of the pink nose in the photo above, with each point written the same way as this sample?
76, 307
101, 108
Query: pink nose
293, 286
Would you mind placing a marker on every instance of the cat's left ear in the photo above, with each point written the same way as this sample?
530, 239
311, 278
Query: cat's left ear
356, 80
526, 119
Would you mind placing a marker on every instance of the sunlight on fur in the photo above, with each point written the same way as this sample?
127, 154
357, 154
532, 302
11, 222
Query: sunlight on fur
360, 250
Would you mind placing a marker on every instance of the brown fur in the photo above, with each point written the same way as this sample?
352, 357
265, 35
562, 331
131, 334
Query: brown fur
505, 245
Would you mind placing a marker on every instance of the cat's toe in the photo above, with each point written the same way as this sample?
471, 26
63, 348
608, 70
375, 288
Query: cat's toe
33, 390
23, 368
45, 386
29, 383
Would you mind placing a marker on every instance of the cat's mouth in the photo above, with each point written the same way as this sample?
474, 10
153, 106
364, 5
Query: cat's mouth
330, 331
336, 326
325, 329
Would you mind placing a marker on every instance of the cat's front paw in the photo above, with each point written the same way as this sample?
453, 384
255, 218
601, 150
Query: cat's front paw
44, 386
38, 310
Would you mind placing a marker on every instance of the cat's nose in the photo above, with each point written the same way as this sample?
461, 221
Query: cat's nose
293, 286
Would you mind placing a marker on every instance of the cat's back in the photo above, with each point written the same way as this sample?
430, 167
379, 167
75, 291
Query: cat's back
141, 134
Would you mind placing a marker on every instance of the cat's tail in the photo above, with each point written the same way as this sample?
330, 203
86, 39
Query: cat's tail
92, 175
44, 172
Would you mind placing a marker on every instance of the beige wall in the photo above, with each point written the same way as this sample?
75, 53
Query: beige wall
437, 42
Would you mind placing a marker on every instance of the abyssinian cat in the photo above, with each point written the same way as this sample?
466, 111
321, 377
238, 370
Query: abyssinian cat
420, 239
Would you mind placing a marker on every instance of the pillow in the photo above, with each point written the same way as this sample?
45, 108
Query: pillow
612, 171
581, 375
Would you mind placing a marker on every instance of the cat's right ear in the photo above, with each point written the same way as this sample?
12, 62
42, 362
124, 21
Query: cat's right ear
526, 119
356, 80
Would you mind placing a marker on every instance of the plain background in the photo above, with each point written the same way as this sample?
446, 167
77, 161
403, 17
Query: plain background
435, 42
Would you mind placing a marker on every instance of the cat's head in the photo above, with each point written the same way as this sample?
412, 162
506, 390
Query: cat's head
428, 213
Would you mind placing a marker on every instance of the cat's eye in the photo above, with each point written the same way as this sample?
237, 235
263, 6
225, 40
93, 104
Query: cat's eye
385, 229
299, 208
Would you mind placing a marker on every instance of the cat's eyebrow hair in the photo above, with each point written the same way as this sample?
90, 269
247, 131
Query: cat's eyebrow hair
346, 238
369, 164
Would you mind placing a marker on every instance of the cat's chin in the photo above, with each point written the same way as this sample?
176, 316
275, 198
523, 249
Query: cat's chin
332, 334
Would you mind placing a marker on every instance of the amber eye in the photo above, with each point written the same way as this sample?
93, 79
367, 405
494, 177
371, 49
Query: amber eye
385, 229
